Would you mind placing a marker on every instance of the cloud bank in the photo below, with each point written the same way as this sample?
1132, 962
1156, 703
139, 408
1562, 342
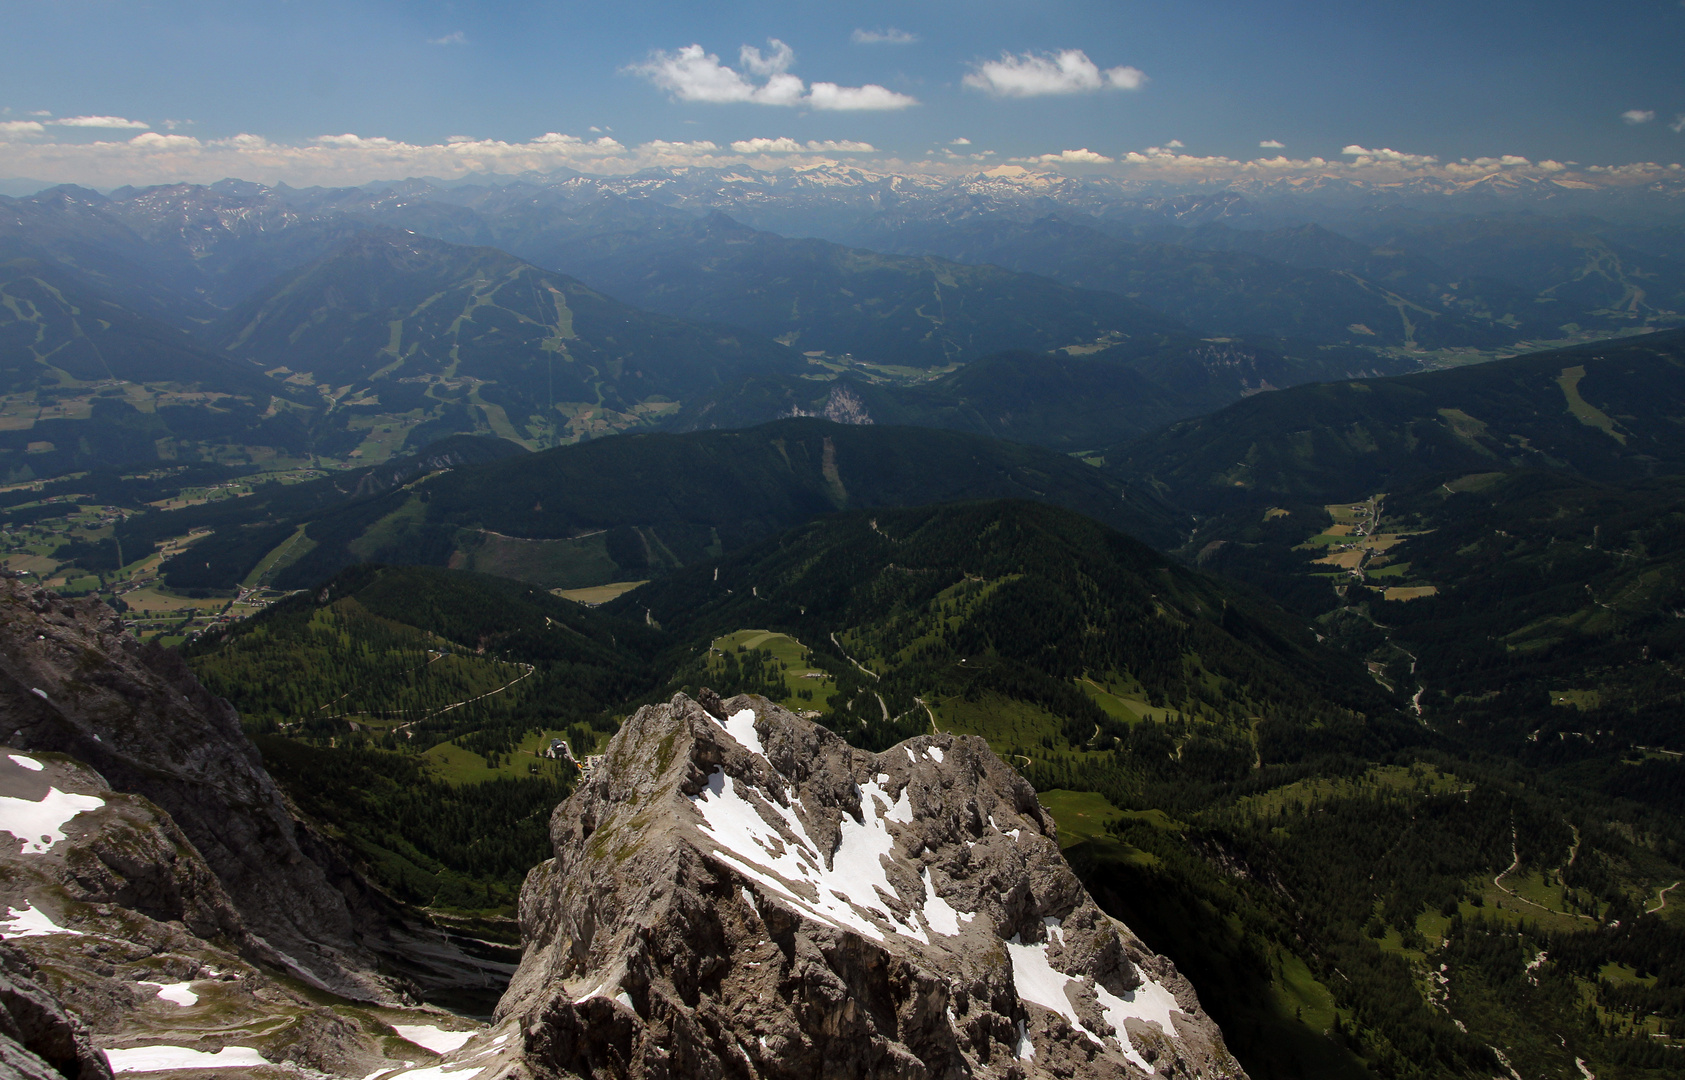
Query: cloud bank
791, 146
692, 74
1039, 74
1638, 116
27, 148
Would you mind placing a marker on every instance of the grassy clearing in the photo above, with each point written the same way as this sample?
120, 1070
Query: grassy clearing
457, 766
1424, 780
1080, 815
593, 595
810, 688
1120, 704
1584, 411
1578, 699
1410, 592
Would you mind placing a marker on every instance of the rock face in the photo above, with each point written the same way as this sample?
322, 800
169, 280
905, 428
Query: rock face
158, 895
38, 1039
73, 682
737, 892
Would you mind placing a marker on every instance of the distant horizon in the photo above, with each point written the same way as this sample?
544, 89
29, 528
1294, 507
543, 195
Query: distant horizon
1161, 172
345, 94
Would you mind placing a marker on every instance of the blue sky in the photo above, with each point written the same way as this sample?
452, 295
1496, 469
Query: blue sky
1596, 83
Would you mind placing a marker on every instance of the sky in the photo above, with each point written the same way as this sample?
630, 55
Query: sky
106, 92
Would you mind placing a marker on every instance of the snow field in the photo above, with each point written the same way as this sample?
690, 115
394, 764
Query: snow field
144, 1059
40, 825
848, 888
180, 993
1039, 981
433, 1038
31, 922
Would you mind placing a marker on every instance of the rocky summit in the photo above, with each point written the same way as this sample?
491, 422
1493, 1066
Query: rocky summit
738, 892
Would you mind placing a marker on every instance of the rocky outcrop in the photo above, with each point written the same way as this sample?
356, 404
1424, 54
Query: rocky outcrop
737, 892
38, 1039
73, 682
120, 936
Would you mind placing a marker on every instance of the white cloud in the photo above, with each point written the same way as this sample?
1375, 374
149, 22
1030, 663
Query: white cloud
831, 96
1035, 74
1272, 144
1678, 124
1084, 156
791, 146
99, 122
1360, 156
1174, 144
40, 112
777, 60
456, 37
961, 141
152, 140
1638, 116
348, 159
887, 36
11, 129
767, 146
691, 74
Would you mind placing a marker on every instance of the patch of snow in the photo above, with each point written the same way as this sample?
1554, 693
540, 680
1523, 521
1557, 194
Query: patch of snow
180, 993
939, 915
883, 779
1025, 1050
844, 892
27, 762
31, 922
1054, 928
439, 1072
1013, 833
625, 999
37, 691
910, 757
1150, 1003
740, 725
433, 1038
1039, 981
501, 1039
40, 825
935, 752
144, 1059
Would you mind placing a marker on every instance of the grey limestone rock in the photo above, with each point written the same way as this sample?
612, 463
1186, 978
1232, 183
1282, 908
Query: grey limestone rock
737, 892
73, 682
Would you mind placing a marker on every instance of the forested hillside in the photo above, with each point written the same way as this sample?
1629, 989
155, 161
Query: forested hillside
1372, 895
413, 709
626, 508
1604, 411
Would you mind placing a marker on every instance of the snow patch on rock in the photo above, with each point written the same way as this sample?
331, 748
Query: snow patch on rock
180, 993
31, 922
845, 895
40, 825
436, 1039
145, 1059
